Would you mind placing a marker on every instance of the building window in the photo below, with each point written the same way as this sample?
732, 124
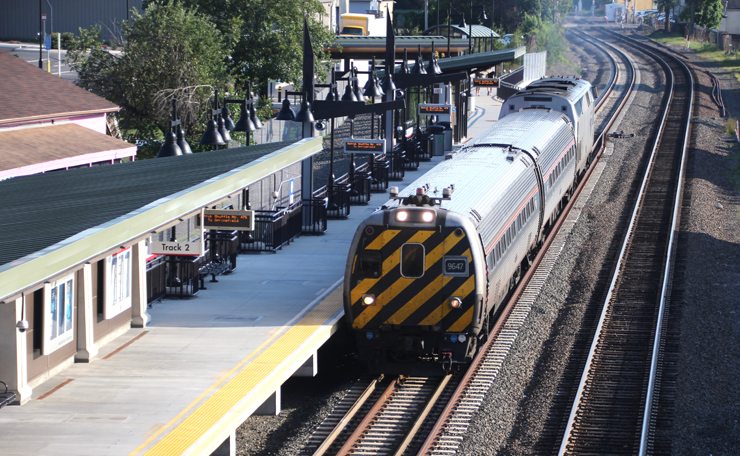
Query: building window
117, 283
59, 302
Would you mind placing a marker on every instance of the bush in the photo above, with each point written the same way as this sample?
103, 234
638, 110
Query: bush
67, 38
730, 126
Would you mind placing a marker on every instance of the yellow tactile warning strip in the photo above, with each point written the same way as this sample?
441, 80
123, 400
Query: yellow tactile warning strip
207, 426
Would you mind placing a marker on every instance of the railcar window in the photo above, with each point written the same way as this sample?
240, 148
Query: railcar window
370, 264
412, 261
579, 108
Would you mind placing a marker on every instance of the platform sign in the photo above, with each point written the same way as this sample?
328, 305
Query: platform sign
228, 220
364, 146
485, 82
47, 42
434, 109
191, 248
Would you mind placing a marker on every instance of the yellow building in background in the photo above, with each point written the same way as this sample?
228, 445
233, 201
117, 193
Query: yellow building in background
637, 5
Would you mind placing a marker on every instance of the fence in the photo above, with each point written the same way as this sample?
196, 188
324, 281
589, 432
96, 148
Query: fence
273, 229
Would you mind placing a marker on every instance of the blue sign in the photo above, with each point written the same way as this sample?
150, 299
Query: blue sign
47, 41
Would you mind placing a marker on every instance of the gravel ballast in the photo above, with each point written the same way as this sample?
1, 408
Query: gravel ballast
511, 421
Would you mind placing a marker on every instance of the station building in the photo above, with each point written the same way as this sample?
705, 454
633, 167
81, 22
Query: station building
75, 265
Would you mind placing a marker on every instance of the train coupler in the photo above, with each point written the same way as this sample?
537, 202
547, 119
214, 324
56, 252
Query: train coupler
447, 361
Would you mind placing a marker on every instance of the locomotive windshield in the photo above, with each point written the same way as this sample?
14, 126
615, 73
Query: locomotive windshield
412, 261
370, 263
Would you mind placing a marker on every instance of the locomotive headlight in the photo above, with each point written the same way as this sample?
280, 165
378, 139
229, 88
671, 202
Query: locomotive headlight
368, 300
402, 216
455, 302
427, 216
462, 338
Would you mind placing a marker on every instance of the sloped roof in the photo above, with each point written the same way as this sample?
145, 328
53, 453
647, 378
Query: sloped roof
28, 93
50, 146
478, 31
41, 210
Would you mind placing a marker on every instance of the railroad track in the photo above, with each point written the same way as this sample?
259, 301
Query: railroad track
386, 418
407, 416
613, 410
452, 424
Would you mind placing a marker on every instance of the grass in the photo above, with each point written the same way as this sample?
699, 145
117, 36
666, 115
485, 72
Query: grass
705, 51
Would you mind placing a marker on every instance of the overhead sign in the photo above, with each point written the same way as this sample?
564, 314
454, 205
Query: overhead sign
364, 146
193, 248
228, 220
485, 82
433, 109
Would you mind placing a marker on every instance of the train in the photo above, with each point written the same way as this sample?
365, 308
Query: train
428, 271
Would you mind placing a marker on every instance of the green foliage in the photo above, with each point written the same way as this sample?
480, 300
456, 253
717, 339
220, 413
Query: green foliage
708, 13
730, 126
531, 24
172, 50
67, 38
267, 36
550, 38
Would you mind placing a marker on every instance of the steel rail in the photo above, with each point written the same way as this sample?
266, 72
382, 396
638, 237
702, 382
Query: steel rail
676, 212
423, 416
321, 450
359, 432
450, 410
675, 220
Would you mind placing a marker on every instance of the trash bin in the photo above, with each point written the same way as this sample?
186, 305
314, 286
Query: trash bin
438, 145
447, 135
438, 140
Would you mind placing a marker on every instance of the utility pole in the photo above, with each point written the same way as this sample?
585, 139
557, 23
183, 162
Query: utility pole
41, 37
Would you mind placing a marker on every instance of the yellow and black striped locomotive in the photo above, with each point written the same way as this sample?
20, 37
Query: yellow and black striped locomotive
427, 272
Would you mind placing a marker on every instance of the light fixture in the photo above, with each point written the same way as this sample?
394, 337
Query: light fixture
356, 85
221, 127
254, 118
368, 300
455, 302
388, 84
245, 123
433, 67
402, 216
427, 216
211, 136
482, 16
349, 95
419, 65
462, 23
170, 147
304, 115
405, 64
228, 121
182, 143
285, 113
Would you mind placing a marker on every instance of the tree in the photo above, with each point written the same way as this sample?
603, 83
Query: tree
267, 36
705, 13
666, 6
170, 50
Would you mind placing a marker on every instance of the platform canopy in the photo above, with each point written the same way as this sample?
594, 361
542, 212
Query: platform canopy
478, 31
367, 47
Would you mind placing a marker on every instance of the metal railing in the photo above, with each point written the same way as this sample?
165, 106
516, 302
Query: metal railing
156, 277
273, 229
314, 216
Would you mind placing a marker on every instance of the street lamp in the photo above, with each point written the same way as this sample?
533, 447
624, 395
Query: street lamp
174, 139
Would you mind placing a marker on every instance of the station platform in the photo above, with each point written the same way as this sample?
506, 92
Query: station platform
183, 384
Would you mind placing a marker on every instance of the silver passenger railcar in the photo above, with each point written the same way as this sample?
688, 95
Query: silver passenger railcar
427, 272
